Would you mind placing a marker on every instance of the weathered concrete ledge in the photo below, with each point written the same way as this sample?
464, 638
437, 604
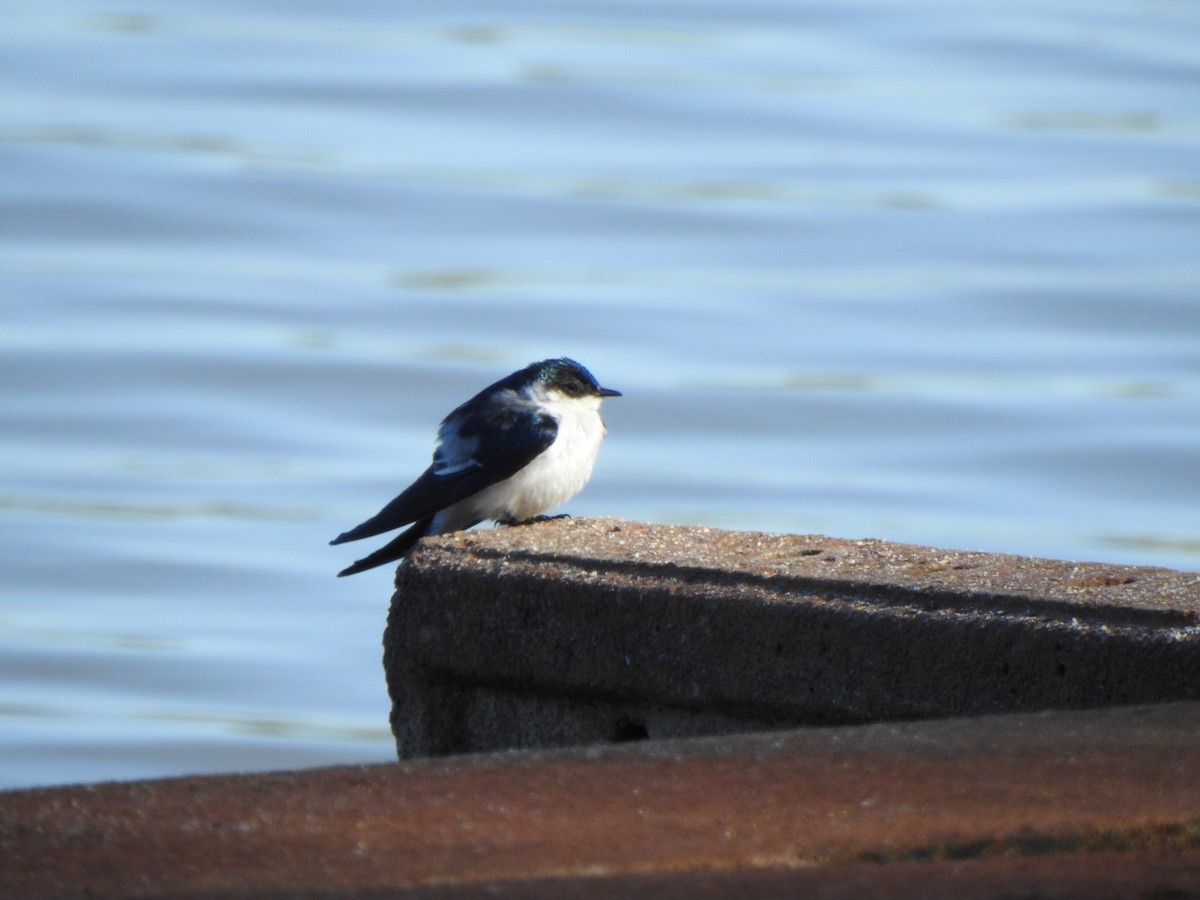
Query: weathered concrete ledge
1092, 804
574, 632
592, 631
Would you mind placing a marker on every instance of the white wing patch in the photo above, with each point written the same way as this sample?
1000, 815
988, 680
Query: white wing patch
453, 455
443, 470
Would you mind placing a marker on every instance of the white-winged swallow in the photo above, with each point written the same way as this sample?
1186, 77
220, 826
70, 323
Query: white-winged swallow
511, 452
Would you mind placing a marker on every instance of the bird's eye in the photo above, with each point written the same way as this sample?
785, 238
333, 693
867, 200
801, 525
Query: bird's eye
573, 387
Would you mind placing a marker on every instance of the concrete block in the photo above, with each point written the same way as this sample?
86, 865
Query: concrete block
592, 631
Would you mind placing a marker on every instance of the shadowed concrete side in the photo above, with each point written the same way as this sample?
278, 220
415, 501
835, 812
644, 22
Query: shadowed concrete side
586, 631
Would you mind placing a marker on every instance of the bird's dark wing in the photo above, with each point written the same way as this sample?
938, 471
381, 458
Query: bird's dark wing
391, 551
475, 452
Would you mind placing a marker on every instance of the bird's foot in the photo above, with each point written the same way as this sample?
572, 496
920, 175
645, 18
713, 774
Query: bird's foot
510, 520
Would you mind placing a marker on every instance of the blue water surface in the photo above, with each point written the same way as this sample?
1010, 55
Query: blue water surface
925, 272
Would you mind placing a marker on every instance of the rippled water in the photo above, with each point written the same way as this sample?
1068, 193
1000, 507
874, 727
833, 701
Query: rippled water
925, 272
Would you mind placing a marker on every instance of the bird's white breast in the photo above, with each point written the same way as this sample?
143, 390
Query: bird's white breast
554, 476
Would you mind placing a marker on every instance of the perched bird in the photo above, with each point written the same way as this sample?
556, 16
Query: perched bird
511, 452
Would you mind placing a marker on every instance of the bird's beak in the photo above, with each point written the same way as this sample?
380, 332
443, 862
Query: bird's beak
609, 392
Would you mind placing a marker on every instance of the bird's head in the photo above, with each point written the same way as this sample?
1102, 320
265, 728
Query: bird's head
565, 379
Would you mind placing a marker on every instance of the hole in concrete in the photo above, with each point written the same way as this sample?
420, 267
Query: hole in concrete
629, 730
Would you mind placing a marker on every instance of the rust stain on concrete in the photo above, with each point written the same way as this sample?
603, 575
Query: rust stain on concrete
1099, 782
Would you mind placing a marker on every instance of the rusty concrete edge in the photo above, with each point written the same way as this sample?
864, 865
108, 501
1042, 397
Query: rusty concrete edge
1093, 877
1106, 799
1170, 876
